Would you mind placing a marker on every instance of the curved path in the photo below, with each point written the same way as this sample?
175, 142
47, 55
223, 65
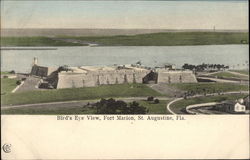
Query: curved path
76, 102
168, 105
193, 106
237, 73
210, 73
243, 80
178, 99
232, 72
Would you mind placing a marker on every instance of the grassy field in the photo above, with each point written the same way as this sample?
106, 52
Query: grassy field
181, 105
7, 85
246, 72
4, 72
49, 110
229, 75
105, 91
153, 39
209, 87
33, 41
153, 108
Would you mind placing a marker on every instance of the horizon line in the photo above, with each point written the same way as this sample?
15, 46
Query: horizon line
133, 28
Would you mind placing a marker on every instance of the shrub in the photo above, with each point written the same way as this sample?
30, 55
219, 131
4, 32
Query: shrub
18, 82
156, 101
150, 98
12, 72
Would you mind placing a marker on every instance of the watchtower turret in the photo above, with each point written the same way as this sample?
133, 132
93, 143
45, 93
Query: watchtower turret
35, 61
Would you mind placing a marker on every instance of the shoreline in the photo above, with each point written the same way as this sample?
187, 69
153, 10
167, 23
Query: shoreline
27, 48
56, 47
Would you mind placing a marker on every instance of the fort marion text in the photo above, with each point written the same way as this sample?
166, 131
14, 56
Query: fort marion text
120, 117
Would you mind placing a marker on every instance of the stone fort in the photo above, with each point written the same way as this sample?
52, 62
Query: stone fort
90, 76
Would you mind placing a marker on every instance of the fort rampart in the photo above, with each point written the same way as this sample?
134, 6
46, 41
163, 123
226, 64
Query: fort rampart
90, 79
176, 77
90, 76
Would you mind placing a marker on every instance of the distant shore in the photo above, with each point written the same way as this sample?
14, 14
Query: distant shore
27, 48
151, 39
52, 32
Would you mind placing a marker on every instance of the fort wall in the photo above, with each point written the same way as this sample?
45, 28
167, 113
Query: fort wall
39, 71
42, 71
90, 79
176, 77
75, 77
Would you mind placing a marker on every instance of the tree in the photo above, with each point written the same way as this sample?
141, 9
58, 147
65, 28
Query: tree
111, 106
138, 63
185, 95
188, 66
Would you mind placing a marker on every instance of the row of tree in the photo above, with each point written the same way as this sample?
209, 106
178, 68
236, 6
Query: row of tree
111, 106
203, 67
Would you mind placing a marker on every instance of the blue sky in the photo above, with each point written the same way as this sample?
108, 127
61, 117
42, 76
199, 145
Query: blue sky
125, 14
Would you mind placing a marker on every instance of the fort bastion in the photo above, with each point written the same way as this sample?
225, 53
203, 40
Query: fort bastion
90, 76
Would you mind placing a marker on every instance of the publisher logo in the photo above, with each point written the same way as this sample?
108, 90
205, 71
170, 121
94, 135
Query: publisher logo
6, 148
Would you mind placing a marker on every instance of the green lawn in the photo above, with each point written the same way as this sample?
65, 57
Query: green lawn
4, 72
34, 41
246, 72
7, 85
153, 108
229, 75
49, 110
169, 39
153, 39
159, 108
179, 106
200, 88
105, 91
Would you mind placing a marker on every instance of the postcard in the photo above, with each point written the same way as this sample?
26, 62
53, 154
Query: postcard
124, 79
